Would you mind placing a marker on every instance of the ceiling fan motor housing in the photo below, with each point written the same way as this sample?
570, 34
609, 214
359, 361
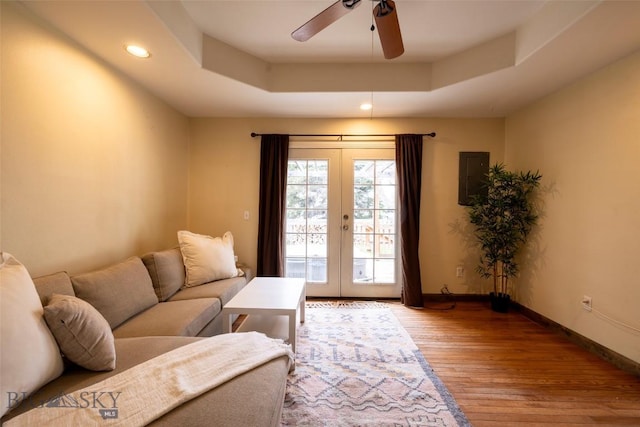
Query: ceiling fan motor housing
385, 8
350, 4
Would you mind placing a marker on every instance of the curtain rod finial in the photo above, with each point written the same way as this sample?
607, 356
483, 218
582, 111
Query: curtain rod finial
253, 134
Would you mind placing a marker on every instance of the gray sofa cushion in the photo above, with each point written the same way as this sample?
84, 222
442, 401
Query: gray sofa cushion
166, 270
254, 399
56, 283
260, 391
173, 318
224, 289
118, 292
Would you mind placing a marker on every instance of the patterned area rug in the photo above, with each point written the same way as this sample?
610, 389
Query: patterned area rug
357, 366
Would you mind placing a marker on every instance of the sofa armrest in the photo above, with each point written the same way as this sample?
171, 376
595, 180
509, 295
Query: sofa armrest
248, 272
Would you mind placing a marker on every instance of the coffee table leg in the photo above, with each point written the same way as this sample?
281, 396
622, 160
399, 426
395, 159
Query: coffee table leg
292, 330
303, 301
227, 326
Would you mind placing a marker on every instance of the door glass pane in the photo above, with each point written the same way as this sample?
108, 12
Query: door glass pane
385, 172
363, 221
317, 245
296, 245
317, 270
295, 267
384, 271
385, 221
364, 197
295, 222
385, 246
296, 196
317, 172
317, 221
363, 245
363, 171
296, 172
386, 196
306, 220
317, 196
362, 270
374, 221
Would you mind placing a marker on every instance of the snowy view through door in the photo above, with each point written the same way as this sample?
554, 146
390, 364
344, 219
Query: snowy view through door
367, 221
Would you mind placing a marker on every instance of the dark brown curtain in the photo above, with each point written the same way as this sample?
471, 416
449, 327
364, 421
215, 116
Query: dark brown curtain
274, 153
409, 171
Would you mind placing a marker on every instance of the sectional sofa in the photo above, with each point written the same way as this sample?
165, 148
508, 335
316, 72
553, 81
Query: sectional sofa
148, 310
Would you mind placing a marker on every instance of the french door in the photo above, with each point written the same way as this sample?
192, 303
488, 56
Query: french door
341, 222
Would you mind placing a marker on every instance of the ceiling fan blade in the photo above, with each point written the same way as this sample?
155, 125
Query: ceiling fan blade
388, 29
324, 19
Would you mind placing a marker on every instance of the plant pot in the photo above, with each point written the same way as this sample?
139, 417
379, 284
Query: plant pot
500, 302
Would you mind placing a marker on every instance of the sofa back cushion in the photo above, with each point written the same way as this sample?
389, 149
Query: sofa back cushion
166, 270
118, 292
56, 283
30, 357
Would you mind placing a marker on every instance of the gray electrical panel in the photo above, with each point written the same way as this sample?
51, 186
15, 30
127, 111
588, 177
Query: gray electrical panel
473, 169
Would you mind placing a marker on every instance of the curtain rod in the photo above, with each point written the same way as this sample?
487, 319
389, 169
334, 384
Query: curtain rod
340, 136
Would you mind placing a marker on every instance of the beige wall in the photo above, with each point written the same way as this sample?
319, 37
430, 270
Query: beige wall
224, 182
94, 169
585, 140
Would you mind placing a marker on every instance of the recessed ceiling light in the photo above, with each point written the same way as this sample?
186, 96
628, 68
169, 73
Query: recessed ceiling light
366, 106
137, 51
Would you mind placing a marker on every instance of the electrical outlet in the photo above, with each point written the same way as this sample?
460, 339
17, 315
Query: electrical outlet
459, 271
586, 302
245, 215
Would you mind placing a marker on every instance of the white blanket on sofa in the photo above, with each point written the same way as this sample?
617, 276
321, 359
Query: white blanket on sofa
149, 390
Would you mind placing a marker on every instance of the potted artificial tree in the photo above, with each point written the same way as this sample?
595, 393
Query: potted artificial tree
503, 217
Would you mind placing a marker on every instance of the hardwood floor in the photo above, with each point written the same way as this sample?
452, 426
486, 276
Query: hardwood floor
506, 370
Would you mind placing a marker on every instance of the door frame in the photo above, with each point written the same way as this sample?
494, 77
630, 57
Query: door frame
336, 274
348, 287
330, 288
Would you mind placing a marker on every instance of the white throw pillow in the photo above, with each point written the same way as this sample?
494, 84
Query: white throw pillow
30, 357
207, 258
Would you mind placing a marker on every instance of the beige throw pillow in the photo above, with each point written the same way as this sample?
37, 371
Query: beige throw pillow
83, 334
30, 357
166, 269
207, 258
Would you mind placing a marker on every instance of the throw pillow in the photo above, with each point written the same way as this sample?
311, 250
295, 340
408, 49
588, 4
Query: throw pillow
166, 269
207, 258
30, 357
84, 336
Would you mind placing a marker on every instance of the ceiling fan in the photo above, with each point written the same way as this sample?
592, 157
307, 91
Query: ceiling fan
386, 21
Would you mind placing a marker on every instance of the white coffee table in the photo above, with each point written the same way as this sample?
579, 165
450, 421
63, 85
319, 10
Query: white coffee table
269, 303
